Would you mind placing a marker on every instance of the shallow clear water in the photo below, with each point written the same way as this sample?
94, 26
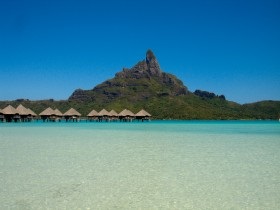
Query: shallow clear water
154, 165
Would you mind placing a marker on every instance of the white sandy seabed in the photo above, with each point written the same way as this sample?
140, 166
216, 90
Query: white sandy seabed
155, 165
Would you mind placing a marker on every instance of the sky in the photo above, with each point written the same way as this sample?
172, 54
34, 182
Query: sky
50, 48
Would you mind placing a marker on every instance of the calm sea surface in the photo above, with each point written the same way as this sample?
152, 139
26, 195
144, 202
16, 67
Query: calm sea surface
152, 165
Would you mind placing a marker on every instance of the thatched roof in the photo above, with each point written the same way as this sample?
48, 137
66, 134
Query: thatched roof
125, 113
93, 113
143, 113
22, 110
9, 110
58, 113
113, 113
72, 112
47, 112
31, 112
103, 112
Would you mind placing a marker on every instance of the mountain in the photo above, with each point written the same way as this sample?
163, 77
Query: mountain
262, 110
145, 85
143, 81
162, 94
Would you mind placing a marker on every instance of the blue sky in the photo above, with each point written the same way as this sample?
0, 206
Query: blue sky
50, 48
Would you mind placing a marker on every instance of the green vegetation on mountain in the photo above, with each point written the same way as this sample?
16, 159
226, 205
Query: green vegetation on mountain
162, 94
262, 110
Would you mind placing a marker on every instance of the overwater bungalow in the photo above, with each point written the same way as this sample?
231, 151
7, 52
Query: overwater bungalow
103, 115
72, 114
143, 115
23, 112
48, 115
31, 114
93, 115
126, 115
58, 114
10, 114
113, 115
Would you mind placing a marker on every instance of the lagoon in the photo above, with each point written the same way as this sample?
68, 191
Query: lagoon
150, 165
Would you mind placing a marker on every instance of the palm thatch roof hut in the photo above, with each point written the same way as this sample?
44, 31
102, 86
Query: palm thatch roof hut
103, 115
58, 113
10, 114
143, 115
48, 114
72, 114
23, 112
33, 114
126, 115
9, 110
126, 112
113, 115
93, 115
103, 112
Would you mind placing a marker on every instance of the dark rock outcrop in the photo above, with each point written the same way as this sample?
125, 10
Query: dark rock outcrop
208, 95
80, 95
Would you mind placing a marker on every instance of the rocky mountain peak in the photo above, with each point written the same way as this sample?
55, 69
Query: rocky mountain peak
152, 63
142, 81
146, 68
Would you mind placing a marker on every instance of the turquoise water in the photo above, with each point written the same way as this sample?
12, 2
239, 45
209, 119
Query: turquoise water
153, 165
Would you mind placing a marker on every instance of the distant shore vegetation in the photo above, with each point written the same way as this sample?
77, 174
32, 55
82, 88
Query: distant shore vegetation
163, 95
180, 107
